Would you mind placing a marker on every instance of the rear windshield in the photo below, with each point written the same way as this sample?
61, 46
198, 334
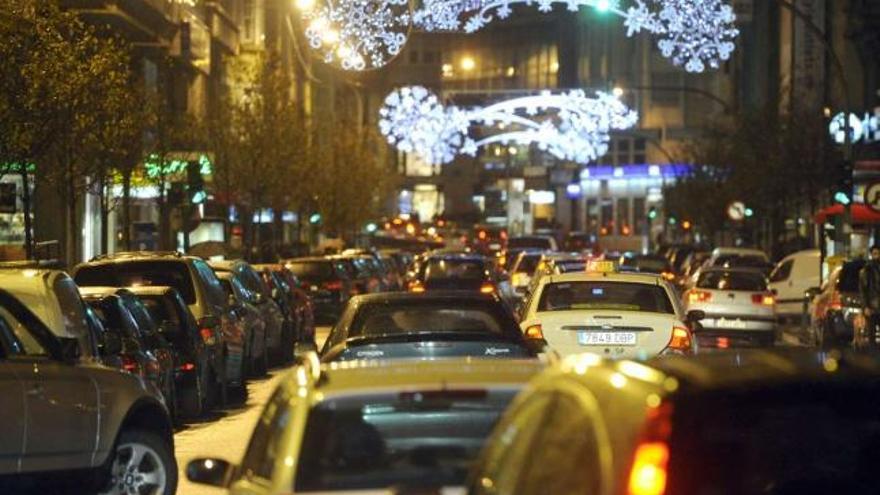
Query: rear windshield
571, 266
605, 296
529, 242
754, 282
416, 438
313, 270
463, 269
740, 260
803, 440
528, 263
426, 316
133, 273
849, 277
646, 264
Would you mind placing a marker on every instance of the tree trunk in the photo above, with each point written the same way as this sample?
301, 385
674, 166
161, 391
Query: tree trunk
26, 203
126, 210
72, 237
105, 216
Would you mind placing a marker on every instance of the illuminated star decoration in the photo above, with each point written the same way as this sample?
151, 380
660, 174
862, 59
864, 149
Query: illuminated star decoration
356, 34
692, 33
570, 125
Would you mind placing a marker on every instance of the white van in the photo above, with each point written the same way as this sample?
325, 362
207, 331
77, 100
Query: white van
791, 278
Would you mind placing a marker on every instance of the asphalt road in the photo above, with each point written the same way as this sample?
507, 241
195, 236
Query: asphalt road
225, 433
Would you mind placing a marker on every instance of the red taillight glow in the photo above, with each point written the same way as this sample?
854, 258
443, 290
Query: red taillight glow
681, 339
764, 299
207, 336
668, 276
534, 332
649, 473
131, 365
487, 288
187, 366
699, 296
836, 303
333, 285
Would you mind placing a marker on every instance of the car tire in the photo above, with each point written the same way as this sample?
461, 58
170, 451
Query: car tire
156, 471
192, 400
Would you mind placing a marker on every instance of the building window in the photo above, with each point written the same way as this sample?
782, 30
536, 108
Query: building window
639, 217
623, 224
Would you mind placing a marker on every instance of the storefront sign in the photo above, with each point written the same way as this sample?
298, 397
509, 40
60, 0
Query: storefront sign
865, 129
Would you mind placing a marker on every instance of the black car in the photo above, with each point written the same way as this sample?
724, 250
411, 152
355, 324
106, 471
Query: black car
468, 272
647, 263
326, 281
433, 325
194, 360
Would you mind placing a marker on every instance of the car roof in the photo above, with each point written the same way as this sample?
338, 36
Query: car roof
635, 278
735, 269
737, 250
152, 290
439, 295
139, 255
306, 259
457, 257
99, 290
351, 377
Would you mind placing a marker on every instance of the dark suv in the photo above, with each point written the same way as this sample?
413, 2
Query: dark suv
327, 282
191, 276
63, 412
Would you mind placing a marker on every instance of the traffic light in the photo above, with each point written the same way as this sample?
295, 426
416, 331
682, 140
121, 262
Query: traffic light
686, 225
315, 218
672, 221
844, 192
195, 183
652, 213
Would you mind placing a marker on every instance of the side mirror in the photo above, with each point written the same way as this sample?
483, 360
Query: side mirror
208, 471
112, 345
696, 315
812, 292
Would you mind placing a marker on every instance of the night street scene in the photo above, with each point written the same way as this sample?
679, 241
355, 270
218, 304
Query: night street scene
439, 247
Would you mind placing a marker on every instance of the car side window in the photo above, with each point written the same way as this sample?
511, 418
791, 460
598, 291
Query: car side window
211, 284
511, 448
18, 340
266, 443
782, 272
74, 311
569, 450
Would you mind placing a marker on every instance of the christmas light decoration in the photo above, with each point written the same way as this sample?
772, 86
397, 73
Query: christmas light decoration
356, 34
692, 33
570, 125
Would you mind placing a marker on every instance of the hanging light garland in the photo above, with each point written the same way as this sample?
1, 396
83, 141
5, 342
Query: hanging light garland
569, 126
367, 34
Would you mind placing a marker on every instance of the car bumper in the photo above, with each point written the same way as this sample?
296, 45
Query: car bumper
723, 339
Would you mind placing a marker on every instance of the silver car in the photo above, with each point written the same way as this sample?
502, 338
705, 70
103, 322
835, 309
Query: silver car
739, 308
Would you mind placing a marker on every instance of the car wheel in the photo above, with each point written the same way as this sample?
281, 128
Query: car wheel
142, 464
192, 399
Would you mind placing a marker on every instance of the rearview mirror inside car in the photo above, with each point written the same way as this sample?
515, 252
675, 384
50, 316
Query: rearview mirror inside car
209, 471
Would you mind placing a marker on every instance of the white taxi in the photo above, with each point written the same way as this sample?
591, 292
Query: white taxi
617, 315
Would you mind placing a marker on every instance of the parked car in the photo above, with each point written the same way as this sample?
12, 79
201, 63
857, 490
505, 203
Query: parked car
837, 306
145, 350
430, 325
327, 283
194, 358
243, 304
279, 331
738, 307
791, 278
300, 303
779, 422
191, 276
63, 412
369, 426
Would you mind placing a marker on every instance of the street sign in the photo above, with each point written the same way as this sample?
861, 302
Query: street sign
736, 211
872, 196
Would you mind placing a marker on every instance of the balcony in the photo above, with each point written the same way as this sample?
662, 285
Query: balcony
142, 22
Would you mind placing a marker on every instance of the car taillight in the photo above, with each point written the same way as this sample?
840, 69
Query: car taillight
648, 474
416, 286
333, 285
487, 288
187, 366
699, 296
764, 299
131, 365
534, 332
668, 276
836, 303
208, 336
681, 339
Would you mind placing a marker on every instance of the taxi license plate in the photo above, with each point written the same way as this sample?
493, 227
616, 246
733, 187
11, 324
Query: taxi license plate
606, 338
736, 324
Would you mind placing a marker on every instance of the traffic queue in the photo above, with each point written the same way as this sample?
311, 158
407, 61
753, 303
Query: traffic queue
527, 371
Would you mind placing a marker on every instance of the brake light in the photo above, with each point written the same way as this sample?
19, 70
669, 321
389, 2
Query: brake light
487, 288
764, 299
187, 366
131, 365
648, 474
836, 303
333, 285
699, 296
534, 332
681, 339
208, 336
416, 286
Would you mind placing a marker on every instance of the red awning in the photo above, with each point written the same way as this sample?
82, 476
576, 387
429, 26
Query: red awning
860, 214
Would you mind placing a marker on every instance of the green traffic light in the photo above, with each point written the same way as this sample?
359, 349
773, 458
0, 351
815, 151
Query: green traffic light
749, 212
672, 221
652, 213
315, 218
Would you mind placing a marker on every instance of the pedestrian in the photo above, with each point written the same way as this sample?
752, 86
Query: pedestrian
869, 289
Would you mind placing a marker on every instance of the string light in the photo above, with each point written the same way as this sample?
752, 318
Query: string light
569, 126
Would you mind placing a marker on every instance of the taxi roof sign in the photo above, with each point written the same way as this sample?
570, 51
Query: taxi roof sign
601, 266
